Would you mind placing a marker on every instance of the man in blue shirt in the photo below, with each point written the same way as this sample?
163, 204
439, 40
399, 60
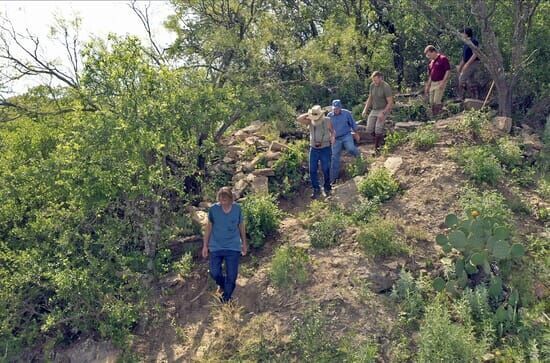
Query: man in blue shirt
343, 125
469, 67
225, 239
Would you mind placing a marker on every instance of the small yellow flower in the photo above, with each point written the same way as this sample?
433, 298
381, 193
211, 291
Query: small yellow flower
475, 213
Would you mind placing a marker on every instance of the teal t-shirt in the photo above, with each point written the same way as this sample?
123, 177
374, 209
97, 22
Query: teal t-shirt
225, 228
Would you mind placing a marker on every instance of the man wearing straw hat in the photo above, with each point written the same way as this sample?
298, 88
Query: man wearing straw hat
321, 137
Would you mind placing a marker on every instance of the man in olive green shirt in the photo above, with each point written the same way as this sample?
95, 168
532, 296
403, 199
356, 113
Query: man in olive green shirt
381, 101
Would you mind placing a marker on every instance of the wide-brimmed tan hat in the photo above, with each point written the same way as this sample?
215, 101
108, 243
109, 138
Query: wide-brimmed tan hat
315, 113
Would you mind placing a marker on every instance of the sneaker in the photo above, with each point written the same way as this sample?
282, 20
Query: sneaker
316, 193
326, 192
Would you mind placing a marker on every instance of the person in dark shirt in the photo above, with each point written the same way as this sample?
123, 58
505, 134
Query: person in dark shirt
439, 71
469, 67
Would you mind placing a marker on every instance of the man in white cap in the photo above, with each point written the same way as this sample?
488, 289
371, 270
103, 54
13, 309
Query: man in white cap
321, 137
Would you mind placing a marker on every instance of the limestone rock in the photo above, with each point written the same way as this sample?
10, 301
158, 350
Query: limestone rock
277, 146
472, 104
240, 187
272, 155
346, 195
409, 125
503, 124
262, 144
393, 164
259, 183
199, 216
254, 127
251, 140
264, 172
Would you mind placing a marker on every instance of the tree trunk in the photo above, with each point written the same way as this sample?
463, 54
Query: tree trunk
504, 96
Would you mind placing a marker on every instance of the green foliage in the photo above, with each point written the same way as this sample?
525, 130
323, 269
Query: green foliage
442, 340
415, 110
184, 265
474, 123
262, 217
488, 203
357, 167
379, 184
543, 187
311, 340
408, 294
289, 171
327, 231
289, 267
393, 140
508, 152
480, 164
424, 138
380, 238
366, 210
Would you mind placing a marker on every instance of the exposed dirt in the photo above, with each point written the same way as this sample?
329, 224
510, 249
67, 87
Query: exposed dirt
188, 324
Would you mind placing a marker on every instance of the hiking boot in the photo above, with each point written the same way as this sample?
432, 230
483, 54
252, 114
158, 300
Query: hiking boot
326, 193
316, 193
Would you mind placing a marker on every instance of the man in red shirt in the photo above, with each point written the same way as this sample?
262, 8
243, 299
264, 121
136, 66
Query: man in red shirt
439, 71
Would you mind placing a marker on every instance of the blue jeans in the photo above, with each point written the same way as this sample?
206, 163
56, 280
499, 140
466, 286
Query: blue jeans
227, 281
315, 156
344, 142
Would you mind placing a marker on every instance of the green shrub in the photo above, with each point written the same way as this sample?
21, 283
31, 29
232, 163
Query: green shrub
543, 187
474, 122
508, 152
184, 265
327, 231
442, 340
379, 238
289, 267
379, 184
407, 293
262, 217
424, 138
415, 110
393, 140
289, 171
488, 203
311, 340
366, 210
480, 164
358, 166
524, 176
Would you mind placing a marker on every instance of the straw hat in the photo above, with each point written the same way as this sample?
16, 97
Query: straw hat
315, 113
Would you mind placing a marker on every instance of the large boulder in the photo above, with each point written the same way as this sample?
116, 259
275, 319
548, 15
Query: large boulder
277, 146
259, 183
393, 163
472, 104
253, 128
503, 124
346, 195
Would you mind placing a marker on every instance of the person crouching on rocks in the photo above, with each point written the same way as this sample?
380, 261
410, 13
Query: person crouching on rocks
321, 137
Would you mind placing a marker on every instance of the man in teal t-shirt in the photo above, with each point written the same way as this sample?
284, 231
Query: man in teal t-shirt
225, 240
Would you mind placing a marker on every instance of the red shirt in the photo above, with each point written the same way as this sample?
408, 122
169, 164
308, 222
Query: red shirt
438, 67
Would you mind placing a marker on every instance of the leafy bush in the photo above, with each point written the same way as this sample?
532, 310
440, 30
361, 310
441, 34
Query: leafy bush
543, 188
415, 110
409, 296
289, 170
480, 164
358, 166
424, 138
474, 122
442, 340
311, 340
524, 176
393, 140
379, 184
184, 265
490, 204
366, 210
508, 152
379, 238
327, 231
289, 267
262, 217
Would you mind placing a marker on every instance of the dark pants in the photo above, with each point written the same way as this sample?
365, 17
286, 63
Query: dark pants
322, 155
225, 281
